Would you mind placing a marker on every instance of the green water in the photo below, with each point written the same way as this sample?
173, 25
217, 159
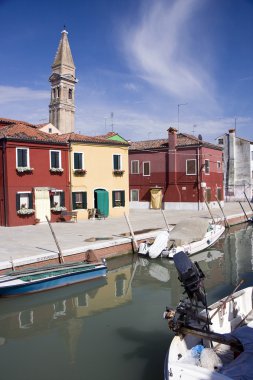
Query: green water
111, 328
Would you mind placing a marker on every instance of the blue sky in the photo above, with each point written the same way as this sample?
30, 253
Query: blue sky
137, 59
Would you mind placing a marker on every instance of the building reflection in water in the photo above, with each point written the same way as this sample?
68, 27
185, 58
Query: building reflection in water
67, 308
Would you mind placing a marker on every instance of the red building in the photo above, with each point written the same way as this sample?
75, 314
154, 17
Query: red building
175, 173
34, 174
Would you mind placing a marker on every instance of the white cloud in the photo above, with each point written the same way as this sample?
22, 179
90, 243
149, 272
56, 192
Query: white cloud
159, 50
131, 87
10, 94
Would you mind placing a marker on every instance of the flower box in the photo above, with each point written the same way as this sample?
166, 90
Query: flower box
79, 171
26, 211
118, 172
56, 170
57, 209
26, 169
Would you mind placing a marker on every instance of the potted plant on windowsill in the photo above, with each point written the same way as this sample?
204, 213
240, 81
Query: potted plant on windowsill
79, 171
56, 170
25, 210
118, 172
57, 209
24, 170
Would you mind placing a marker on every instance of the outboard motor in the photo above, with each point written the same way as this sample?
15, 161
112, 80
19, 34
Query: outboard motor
190, 275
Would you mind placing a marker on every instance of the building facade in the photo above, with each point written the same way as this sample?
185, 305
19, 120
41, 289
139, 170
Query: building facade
180, 172
34, 175
98, 175
238, 166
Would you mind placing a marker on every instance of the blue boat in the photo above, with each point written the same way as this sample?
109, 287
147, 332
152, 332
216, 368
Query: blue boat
41, 279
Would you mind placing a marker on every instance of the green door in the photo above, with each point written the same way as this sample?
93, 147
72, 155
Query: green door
102, 201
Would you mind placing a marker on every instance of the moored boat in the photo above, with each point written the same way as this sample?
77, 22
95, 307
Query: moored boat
214, 343
193, 236
45, 278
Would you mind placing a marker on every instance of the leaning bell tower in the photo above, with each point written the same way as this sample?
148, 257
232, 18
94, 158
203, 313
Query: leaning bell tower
63, 80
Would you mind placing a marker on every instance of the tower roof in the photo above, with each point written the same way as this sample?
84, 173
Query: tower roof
63, 62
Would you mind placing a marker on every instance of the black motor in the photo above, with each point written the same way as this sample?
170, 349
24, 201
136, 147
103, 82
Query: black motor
191, 276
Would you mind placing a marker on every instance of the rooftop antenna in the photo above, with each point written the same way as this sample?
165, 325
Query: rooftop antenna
105, 118
112, 120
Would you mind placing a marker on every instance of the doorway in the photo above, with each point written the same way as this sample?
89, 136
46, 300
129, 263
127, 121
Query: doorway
101, 201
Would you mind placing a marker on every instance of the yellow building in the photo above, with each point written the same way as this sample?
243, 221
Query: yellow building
99, 175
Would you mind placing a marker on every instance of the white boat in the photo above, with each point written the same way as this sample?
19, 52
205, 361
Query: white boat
154, 250
215, 343
193, 235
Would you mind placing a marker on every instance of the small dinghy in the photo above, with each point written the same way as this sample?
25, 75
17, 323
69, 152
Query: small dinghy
154, 250
215, 343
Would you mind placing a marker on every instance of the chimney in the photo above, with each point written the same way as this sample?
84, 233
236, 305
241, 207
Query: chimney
172, 137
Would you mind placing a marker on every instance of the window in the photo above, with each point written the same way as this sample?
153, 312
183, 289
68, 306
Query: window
49, 130
25, 319
134, 195
78, 160
70, 93
53, 93
55, 159
134, 167
22, 157
218, 165
59, 309
120, 285
82, 300
190, 167
118, 198
207, 166
79, 200
146, 168
57, 198
117, 162
24, 200
58, 92
220, 141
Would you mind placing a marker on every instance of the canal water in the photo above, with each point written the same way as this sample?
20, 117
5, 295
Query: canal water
111, 328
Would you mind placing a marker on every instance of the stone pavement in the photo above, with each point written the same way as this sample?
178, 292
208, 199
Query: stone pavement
36, 242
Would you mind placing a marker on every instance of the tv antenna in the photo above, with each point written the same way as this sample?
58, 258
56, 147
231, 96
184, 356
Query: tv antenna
112, 120
193, 128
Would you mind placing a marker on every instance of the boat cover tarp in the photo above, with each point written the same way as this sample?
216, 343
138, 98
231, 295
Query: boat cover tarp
189, 230
242, 367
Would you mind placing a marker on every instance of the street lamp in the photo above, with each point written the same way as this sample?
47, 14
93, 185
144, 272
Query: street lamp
178, 107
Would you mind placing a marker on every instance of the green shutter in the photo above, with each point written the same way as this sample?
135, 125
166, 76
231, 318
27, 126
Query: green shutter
17, 202
84, 200
122, 196
113, 199
62, 198
73, 201
30, 198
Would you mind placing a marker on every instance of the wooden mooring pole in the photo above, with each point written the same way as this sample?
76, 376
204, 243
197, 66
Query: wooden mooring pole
248, 201
60, 256
240, 203
224, 216
165, 220
135, 244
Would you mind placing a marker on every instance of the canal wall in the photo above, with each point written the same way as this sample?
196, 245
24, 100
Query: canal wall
27, 246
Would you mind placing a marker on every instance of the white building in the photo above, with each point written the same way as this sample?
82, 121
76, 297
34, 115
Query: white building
238, 166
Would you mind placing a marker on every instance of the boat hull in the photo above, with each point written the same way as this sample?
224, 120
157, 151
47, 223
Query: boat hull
209, 239
13, 287
179, 364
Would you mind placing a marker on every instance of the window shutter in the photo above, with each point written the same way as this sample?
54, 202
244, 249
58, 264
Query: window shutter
62, 198
30, 200
122, 196
17, 202
113, 199
73, 201
51, 200
84, 199
76, 161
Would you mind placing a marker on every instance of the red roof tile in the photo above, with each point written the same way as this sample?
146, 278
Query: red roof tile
75, 137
